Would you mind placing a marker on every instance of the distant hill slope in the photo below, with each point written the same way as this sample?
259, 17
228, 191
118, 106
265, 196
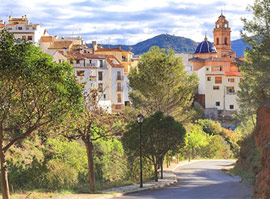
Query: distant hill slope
239, 47
178, 44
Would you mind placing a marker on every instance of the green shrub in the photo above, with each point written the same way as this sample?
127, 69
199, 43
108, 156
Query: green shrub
217, 147
110, 162
60, 176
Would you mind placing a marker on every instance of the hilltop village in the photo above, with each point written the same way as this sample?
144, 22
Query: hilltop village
107, 69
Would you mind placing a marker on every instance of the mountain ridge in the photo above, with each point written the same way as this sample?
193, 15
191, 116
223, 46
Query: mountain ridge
177, 43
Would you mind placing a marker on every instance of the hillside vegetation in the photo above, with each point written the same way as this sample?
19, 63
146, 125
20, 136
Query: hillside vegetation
178, 44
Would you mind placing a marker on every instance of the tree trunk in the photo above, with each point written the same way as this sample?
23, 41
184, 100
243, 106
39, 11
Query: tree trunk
161, 168
156, 172
192, 153
4, 174
168, 160
89, 149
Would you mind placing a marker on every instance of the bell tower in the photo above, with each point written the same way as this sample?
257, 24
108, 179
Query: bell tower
222, 37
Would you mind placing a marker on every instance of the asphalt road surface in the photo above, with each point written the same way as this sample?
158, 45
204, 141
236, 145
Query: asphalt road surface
200, 180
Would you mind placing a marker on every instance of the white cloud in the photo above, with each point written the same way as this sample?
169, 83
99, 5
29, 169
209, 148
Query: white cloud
129, 21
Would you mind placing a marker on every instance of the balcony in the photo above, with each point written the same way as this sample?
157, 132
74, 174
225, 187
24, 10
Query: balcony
119, 88
92, 65
120, 77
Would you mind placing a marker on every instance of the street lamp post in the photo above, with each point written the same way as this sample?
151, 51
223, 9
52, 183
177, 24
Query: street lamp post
140, 121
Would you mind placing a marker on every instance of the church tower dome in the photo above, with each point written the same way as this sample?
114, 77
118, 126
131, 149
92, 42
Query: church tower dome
205, 47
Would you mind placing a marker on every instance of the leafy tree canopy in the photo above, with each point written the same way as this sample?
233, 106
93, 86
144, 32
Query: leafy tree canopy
255, 89
195, 137
35, 92
161, 84
159, 135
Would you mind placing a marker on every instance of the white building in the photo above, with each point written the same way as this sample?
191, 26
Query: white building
23, 29
104, 73
221, 88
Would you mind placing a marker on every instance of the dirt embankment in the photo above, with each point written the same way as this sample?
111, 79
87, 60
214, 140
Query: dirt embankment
262, 138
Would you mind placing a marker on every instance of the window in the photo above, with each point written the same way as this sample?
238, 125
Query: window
218, 80
127, 103
80, 73
225, 41
123, 58
231, 106
9, 28
119, 98
77, 61
230, 90
92, 78
29, 37
117, 106
217, 103
23, 37
19, 28
215, 87
119, 75
208, 78
100, 76
230, 79
217, 41
100, 87
101, 63
220, 68
104, 96
119, 86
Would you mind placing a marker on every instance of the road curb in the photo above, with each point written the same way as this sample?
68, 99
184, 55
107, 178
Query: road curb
170, 174
138, 191
155, 187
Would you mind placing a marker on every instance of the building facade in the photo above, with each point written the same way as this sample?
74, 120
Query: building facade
103, 73
104, 69
219, 76
23, 29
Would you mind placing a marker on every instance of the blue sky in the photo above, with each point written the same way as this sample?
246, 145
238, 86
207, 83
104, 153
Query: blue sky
129, 21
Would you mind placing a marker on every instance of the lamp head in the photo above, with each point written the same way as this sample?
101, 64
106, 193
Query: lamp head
140, 118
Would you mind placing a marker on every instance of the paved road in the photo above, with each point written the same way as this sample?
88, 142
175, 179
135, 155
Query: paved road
200, 180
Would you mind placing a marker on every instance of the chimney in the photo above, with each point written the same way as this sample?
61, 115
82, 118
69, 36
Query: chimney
94, 46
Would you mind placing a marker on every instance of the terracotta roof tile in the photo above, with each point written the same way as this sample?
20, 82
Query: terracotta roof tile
109, 59
238, 74
47, 38
112, 49
61, 44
